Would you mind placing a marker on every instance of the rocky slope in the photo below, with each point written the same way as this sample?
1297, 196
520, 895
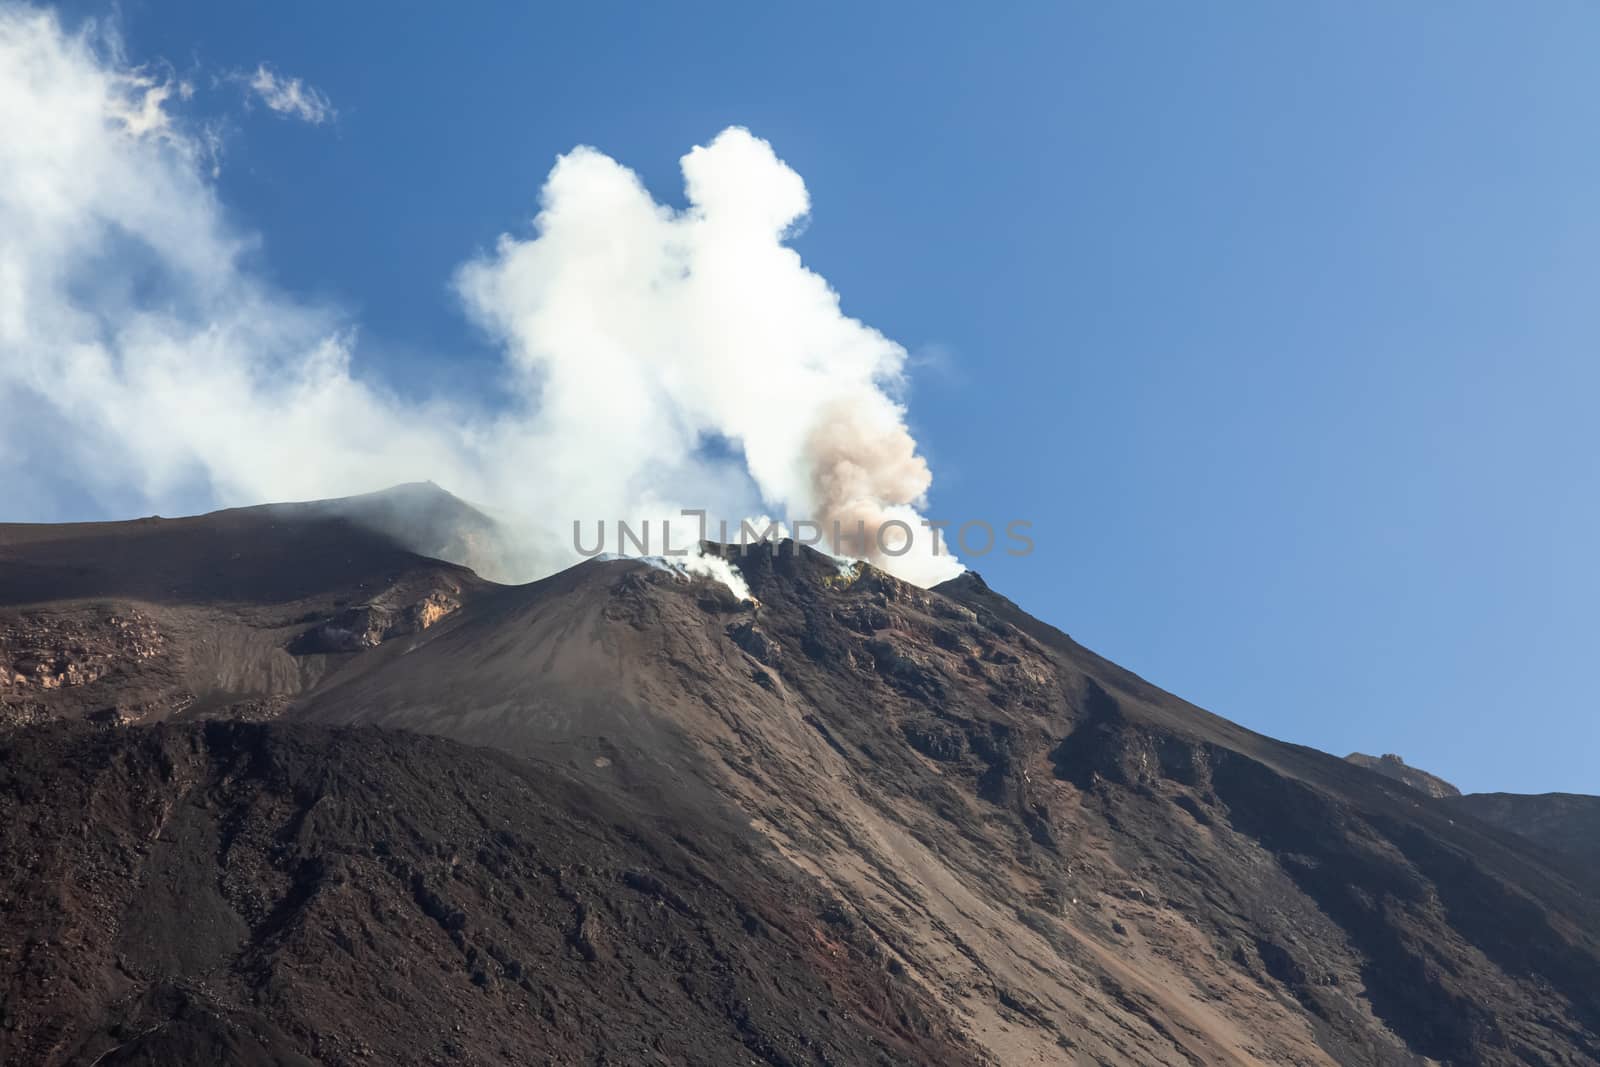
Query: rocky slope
1017, 851
270, 894
231, 613
1567, 824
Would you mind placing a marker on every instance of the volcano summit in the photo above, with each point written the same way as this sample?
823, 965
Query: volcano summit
293, 784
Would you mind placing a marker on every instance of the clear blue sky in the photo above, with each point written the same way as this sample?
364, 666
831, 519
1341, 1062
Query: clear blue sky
1279, 321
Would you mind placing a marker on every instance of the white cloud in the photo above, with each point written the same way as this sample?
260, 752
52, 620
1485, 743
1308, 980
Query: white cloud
289, 97
143, 362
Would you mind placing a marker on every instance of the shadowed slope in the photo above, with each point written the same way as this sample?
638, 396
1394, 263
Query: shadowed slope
273, 894
1565, 823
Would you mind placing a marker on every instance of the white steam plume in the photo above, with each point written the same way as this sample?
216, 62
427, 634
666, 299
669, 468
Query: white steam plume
657, 359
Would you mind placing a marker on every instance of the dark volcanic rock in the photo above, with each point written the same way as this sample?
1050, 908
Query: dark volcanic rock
848, 820
232, 893
158, 618
371, 624
1564, 823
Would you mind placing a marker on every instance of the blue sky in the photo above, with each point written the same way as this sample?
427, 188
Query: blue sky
1277, 321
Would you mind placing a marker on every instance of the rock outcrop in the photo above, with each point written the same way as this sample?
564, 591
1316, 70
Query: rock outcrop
1392, 766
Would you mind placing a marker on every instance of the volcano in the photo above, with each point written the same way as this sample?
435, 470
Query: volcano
294, 784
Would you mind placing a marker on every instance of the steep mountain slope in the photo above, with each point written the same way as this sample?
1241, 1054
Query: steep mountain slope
269, 894
1031, 846
1564, 823
1078, 865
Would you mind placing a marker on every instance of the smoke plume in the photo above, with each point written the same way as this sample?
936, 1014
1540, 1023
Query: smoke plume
655, 359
